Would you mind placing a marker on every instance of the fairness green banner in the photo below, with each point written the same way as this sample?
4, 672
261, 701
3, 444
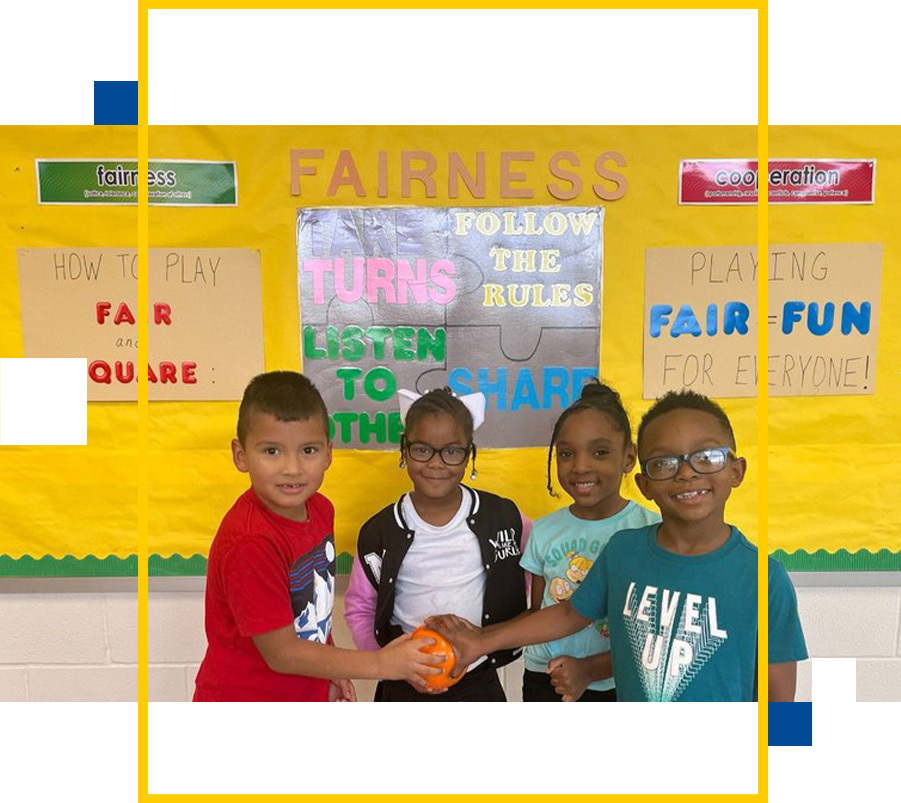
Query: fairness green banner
115, 182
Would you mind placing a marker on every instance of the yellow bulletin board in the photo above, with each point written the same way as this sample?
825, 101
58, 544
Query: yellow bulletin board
66, 504
67, 510
834, 459
193, 482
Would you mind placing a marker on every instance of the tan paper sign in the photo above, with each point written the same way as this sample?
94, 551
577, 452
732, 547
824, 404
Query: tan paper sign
700, 323
206, 325
823, 318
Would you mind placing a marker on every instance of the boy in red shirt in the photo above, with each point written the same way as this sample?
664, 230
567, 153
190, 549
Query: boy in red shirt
271, 570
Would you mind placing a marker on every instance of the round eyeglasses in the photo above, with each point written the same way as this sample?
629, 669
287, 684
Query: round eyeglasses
704, 461
450, 455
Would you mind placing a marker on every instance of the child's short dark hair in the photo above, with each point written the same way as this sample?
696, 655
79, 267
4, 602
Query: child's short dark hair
686, 400
596, 395
287, 395
436, 401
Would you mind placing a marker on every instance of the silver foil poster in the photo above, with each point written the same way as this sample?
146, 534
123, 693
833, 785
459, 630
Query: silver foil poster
506, 301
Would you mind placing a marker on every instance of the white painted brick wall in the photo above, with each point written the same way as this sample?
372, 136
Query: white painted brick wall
862, 623
167, 684
56, 628
83, 684
176, 627
177, 643
122, 627
83, 646
13, 688
840, 623
879, 680
79, 646
805, 680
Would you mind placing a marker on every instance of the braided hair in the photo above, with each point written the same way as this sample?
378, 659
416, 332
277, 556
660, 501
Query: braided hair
598, 396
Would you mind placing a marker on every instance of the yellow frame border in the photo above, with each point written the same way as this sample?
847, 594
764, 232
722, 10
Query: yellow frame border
144, 7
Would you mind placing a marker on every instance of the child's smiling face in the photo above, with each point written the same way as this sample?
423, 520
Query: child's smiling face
286, 461
690, 496
592, 457
434, 479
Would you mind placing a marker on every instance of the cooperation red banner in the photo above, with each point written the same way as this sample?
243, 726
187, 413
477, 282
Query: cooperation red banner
790, 181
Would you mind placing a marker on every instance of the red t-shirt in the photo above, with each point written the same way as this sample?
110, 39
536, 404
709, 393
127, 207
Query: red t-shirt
266, 572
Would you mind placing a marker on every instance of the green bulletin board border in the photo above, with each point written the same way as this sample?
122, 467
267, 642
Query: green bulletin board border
68, 566
111, 566
839, 561
195, 566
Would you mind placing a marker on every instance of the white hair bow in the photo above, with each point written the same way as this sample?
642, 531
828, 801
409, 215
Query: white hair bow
474, 402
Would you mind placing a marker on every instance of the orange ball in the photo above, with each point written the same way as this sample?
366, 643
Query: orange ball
441, 647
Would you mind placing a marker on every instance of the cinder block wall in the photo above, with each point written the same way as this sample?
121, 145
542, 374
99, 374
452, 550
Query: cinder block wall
83, 646
74, 647
855, 622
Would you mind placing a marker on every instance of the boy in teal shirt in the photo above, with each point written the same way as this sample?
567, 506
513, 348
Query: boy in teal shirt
680, 597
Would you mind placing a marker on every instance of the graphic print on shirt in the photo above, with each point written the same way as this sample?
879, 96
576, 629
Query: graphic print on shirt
561, 588
312, 580
505, 545
667, 655
374, 562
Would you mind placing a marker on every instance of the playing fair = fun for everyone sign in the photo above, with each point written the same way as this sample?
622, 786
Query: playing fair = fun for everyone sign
701, 319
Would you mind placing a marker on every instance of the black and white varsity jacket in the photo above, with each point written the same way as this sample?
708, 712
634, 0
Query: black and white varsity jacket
497, 524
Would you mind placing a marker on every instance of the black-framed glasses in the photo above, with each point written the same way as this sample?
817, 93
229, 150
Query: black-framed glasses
704, 461
450, 455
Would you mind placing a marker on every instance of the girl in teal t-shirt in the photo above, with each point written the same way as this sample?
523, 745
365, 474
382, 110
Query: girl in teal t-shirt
593, 444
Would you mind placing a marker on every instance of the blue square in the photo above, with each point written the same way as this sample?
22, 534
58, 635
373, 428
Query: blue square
790, 725
115, 102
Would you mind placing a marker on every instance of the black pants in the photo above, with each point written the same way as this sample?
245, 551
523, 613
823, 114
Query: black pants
482, 685
537, 688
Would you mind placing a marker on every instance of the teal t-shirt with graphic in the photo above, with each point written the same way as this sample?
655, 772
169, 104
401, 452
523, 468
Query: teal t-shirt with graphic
562, 548
682, 627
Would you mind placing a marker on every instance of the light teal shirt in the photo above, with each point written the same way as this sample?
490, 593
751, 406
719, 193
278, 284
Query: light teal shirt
562, 548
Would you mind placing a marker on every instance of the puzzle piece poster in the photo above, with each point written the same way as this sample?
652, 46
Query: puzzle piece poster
506, 301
